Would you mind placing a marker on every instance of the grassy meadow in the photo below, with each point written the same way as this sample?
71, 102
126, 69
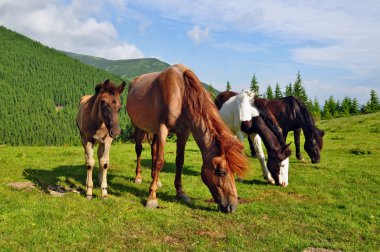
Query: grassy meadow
333, 205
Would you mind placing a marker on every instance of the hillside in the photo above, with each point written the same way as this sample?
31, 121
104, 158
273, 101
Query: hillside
127, 69
123, 68
40, 89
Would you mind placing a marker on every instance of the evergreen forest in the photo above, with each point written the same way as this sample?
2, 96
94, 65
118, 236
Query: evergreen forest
40, 89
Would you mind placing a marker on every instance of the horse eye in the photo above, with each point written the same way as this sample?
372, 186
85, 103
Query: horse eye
221, 172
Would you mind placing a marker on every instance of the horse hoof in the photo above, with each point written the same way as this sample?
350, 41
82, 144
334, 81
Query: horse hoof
183, 198
159, 184
138, 181
151, 203
89, 197
283, 184
271, 181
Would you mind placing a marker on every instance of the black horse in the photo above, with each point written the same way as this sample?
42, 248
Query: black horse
292, 115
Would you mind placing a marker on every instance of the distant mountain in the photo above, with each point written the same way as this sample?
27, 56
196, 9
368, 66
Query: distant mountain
40, 89
123, 68
127, 69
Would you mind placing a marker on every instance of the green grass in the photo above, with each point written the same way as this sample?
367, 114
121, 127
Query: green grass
333, 205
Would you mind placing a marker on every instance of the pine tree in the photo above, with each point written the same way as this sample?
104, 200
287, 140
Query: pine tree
228, 86
254, 85
316, 111
269, 93
373, 104
289, 89
277, 92
298, 90
354, 107
346, 106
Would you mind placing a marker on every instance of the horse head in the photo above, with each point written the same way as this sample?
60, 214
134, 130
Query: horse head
109, 105
221, 182
271, 135
313, 145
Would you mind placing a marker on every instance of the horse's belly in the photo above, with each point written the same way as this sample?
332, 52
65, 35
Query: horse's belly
142, 116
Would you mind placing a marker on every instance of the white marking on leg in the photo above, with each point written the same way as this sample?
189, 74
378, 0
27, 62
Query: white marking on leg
256, 140
284, 170
90, 162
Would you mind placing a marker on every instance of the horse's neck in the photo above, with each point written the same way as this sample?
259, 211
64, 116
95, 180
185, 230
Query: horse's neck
269, 138
93, 105
205, 140
307, 128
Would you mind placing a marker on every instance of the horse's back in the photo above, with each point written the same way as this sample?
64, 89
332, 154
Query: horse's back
155, 98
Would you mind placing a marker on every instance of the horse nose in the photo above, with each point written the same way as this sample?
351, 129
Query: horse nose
230, 208
114, 131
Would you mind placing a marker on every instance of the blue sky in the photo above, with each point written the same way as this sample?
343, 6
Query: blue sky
334, 44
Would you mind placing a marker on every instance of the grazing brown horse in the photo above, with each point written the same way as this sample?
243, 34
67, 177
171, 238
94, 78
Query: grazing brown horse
97, 121
174, 100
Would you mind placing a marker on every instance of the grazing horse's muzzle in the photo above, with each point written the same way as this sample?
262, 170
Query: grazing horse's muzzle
229, 208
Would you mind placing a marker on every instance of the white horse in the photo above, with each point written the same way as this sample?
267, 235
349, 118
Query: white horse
240, 108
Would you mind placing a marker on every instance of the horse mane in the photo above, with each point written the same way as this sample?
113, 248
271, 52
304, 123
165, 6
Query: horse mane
317, 133
198, 103
269, 119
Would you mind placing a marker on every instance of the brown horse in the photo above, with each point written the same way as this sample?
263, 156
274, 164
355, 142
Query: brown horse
174, 100
97, 121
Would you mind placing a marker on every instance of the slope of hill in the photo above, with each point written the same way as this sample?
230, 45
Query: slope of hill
128, 69
40, 89
123, 68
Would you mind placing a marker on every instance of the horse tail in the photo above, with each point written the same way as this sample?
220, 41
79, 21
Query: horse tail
198, 103
317, 133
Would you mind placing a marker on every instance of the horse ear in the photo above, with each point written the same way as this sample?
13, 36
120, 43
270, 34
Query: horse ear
106, 82
284, 152
121, 87
322, 133
98, 88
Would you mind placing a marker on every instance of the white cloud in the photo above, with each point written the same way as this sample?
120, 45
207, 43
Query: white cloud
338, 33
67, 27
198, 35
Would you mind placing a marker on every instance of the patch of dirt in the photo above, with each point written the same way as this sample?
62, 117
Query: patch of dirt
22, 185
59, 191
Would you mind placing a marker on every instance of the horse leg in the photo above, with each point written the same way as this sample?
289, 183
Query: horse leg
157, 166
297, 142
90, 162
139, 136
153, 152
255, 138
284, 170
252, 147
181, 143
103, 156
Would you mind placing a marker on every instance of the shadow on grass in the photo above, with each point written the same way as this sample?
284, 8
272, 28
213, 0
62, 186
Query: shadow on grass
254, 182
169, 167
74, 177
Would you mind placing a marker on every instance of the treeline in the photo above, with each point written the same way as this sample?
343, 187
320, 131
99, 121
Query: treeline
332, 108
40, 90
